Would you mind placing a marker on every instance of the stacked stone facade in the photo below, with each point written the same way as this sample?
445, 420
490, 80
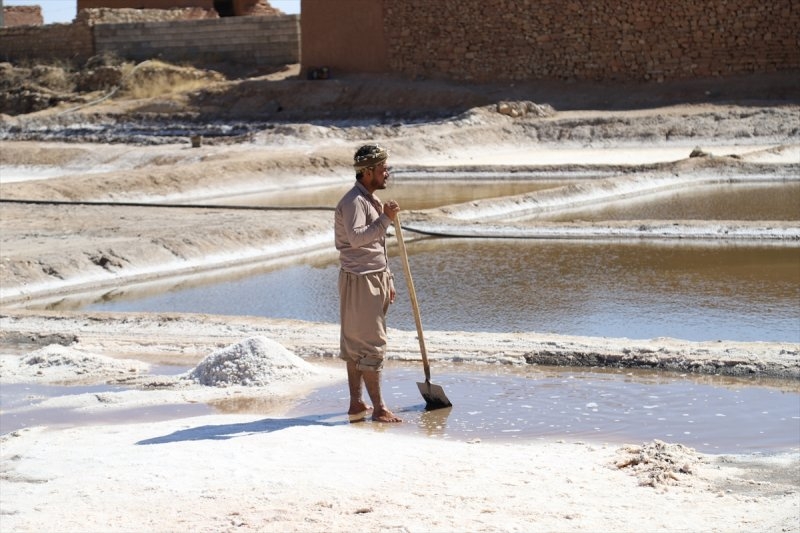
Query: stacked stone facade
590, 39
51, 43
257, 41
121, 16
586, 40
22, 16
230, 7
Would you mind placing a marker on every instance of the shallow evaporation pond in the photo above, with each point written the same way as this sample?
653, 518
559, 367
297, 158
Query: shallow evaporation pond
19, 401
409, 194
636, 290
712, 414
731, 201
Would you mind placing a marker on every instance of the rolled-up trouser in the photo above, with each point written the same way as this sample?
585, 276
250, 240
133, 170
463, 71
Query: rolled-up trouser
363, 302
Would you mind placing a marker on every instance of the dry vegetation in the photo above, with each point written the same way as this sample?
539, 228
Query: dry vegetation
36, 87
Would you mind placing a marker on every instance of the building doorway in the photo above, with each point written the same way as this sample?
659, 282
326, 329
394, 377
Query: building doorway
225, 8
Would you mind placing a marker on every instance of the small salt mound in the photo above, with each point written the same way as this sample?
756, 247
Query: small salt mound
659, 463
254, 362
57, 363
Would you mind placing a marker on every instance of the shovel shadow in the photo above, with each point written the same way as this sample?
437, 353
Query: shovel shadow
229, 431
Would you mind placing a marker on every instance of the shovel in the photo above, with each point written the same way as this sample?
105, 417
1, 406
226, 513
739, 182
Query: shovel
434, 395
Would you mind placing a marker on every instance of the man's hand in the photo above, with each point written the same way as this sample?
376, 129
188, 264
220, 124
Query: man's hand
390, 209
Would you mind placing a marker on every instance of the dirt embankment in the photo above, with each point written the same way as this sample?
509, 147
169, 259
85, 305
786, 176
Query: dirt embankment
156, 89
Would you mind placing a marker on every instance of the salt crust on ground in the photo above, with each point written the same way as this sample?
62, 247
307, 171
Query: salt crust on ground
273, 473
257, 473
253, 362
253, 367
63, 364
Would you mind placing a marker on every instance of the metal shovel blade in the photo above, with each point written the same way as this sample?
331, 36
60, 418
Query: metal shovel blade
434, 396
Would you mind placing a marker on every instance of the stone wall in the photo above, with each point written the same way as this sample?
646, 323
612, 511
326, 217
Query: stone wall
144, 4
52, 43
22, 16
120, 16
230, 7
588, 40
591, 39
257, 41
241, 40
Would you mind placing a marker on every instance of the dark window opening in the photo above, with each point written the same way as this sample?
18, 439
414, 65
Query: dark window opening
224, 8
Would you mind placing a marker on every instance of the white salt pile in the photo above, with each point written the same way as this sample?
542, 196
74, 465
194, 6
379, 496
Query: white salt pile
659, 463
253, 362
61, 364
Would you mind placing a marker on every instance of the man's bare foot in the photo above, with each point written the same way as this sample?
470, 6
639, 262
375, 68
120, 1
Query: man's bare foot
358, 411
386, 416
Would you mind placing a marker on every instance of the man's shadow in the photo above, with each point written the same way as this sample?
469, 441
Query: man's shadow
229, 431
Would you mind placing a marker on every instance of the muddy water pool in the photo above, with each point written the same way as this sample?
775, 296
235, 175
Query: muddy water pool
409, 194
741, 201
636, 290
779, 200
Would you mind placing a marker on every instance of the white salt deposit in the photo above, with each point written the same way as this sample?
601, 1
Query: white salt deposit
253, 362
60, 364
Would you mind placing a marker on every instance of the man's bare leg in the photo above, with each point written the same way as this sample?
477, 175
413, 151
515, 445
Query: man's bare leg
372, 379
354, 379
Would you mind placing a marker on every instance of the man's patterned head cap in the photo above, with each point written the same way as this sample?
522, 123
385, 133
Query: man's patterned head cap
369, 155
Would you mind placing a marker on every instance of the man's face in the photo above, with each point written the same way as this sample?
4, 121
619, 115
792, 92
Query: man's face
376, 177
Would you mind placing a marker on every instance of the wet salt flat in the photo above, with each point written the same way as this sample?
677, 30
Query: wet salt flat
18, 408
710, 414
607, 289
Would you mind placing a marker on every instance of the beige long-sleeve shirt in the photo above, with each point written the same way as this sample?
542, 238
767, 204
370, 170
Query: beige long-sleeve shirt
360, 232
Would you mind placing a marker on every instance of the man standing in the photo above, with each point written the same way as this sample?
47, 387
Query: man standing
366, 287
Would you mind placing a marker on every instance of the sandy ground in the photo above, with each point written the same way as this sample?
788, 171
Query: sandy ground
266, 471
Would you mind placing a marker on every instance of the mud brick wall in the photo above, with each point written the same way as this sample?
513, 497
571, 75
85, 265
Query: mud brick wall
235, 7
587, 40
144, 4
22, 16
123, 15
52, 42
591, 39
241, 40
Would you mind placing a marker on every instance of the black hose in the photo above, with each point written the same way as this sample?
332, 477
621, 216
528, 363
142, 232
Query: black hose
182, 206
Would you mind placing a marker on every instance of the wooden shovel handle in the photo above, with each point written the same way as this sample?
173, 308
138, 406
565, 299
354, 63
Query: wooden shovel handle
413, 295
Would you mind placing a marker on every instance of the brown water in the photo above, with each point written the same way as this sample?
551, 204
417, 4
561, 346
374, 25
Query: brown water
742, 201
632, 289
739, 201
409, 194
